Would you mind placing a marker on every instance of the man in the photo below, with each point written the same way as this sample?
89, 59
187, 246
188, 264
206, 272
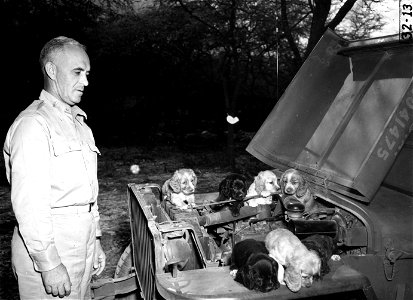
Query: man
51, 164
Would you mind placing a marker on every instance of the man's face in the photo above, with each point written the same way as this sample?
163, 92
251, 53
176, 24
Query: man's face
72, 68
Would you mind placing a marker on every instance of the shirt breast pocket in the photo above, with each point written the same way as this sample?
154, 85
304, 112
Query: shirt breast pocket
61, 147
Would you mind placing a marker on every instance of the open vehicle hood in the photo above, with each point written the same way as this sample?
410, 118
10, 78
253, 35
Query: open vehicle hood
345, 116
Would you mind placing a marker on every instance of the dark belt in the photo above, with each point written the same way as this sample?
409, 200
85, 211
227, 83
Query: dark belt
74, 209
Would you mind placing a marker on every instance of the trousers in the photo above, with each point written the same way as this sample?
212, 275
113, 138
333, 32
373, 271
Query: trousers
74, 237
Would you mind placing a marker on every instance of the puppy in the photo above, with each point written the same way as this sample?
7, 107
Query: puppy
265, 184
180, 188
293, 183
324, 246
232, 187
254, 268
300, 263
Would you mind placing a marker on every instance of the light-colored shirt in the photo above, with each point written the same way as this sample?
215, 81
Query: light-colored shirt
51, 161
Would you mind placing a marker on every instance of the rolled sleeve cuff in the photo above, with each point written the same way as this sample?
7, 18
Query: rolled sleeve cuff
46, 260
98, 230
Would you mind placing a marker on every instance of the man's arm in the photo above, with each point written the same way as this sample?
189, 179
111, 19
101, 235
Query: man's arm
29, 151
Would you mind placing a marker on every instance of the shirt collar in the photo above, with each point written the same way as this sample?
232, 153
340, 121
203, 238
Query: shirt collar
61, 106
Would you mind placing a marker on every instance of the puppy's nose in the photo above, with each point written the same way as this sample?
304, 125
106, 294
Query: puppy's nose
289, 190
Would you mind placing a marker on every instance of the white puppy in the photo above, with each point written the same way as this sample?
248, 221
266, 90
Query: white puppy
300, 264
265, 184
180, 189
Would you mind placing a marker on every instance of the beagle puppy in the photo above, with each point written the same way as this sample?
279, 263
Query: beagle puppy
293, 183
180, 188
300, 264
265, 184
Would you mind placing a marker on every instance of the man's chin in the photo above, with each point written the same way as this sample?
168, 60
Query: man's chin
76, 99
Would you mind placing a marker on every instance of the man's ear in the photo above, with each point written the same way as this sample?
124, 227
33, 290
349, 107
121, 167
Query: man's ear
50, 69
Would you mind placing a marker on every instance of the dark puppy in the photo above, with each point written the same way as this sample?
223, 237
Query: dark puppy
324, 246
232, 187
256, 270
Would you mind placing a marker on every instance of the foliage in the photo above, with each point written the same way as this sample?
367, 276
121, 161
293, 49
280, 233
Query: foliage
173, 65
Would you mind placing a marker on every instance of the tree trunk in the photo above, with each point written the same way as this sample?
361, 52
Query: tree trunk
285, 27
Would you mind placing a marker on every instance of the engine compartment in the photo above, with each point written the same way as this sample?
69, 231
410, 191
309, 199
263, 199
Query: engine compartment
200, 238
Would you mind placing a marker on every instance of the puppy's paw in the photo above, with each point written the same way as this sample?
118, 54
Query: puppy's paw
280, 274
265, 194
233, 273
335, 257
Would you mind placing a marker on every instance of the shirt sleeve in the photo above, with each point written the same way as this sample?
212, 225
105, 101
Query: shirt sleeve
31, 187
96, 216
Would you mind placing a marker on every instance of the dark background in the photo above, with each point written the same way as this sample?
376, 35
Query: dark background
137, 92
159, 91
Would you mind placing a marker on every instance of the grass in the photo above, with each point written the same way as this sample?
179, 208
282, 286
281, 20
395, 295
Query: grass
157, 164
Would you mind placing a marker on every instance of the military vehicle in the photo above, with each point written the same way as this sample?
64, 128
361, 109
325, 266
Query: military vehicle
345, 122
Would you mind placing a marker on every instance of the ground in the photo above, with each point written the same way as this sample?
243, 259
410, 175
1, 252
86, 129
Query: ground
157, 164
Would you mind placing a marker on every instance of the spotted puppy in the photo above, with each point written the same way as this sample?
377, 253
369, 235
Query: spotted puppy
180, 188
293, 183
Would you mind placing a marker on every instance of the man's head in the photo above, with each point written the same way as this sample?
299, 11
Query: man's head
65, 66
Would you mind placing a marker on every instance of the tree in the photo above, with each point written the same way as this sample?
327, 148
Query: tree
318, 15
240, 35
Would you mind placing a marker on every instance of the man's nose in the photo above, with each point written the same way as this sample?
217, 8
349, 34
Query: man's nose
83, 80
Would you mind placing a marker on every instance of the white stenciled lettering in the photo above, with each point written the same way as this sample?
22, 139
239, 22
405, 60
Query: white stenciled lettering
381, 153
398, 121
409, 102
390, 144
404, 114
394, 131
398, 130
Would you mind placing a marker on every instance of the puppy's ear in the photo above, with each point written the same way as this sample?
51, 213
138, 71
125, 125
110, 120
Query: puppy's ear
302, 187
225, 187
249, 281
292, 278
193, 176
259, 182
281, 182
243, 277
175, 182
274, 274
235, 208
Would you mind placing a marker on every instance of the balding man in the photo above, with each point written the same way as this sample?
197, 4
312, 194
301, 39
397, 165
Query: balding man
51, 164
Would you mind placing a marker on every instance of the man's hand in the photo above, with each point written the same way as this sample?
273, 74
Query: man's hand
99, 261
57, 281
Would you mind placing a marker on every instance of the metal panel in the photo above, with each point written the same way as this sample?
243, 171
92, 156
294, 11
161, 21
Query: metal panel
343, 118
141, 221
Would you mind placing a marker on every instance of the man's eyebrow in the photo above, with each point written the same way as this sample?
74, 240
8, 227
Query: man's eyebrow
79, 69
